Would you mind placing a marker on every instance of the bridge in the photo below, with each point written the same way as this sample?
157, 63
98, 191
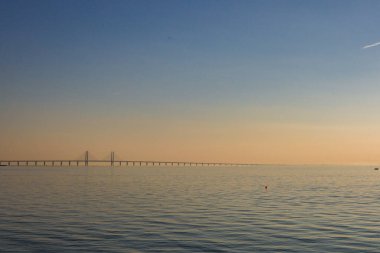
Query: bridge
86, 161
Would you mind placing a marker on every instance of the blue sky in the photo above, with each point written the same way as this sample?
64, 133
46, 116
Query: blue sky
271, 61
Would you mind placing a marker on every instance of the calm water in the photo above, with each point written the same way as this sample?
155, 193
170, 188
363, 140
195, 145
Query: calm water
183, 209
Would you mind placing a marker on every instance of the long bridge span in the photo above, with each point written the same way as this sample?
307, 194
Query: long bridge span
111, 162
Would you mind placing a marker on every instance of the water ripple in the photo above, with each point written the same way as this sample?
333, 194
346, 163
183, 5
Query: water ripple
158, 209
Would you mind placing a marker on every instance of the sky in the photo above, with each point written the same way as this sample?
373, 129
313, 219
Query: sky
227, 81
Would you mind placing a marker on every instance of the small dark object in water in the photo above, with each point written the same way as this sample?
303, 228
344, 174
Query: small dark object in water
266, 187
376, 168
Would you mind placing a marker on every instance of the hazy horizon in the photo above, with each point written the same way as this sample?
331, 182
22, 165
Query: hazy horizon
276, 82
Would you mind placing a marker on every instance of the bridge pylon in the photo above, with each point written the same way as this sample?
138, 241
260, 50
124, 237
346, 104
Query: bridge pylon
112, 158
86, 159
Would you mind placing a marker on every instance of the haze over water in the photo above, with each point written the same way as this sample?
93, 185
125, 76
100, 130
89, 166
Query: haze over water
190, 209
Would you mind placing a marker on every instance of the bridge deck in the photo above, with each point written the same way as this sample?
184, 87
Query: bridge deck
110, 163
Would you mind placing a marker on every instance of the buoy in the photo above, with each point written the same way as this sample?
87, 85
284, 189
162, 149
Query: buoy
376, 168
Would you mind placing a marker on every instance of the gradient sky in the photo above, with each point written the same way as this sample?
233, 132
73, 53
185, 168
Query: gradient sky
234, 81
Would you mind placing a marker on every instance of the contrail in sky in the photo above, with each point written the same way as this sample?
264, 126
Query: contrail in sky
371, 45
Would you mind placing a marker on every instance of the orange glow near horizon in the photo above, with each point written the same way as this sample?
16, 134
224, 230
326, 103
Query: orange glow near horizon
240, 141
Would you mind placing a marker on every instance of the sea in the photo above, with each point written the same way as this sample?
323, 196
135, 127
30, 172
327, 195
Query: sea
190, 209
